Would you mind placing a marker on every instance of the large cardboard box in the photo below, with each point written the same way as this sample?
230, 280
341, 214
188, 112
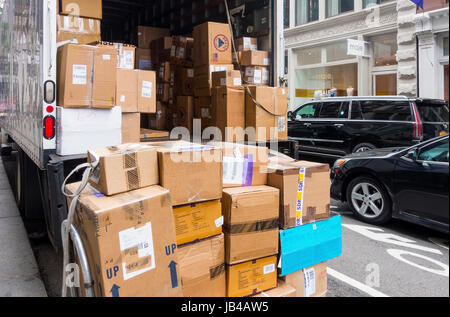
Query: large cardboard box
203, 75
269, 118
147, 34
307, 245
83, 8
283, 290
251, 278
185, 107
228, 110
125, 53
212, 44
143, 59
84, 30
202, 268
250, 223
146, 94
192, 172
124, 168
131, 128
162, 92
246, 43
158, 121
78, 130
309, 282
243, 165
184, 79
86, 76
127, 90
254, 58
203, 111
231, 78
256, 75
130, 242
195, 222
304, 192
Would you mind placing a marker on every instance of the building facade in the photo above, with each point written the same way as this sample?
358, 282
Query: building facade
432, 25
319, 61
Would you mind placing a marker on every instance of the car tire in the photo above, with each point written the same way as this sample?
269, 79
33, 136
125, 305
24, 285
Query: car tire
363, 147
369, 200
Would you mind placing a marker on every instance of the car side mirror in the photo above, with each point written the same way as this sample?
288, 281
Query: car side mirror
413, 155
290, 115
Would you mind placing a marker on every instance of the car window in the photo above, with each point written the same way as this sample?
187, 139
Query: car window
310, 111
433, 113
334, 110
356, 111
438, 152
386, 110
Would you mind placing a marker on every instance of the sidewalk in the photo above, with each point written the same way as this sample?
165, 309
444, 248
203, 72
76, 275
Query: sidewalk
19, 274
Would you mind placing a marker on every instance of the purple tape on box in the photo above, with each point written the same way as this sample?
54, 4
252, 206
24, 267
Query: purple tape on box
248, 170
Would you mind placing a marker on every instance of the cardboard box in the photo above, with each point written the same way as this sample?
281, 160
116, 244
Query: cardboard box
143, 59
202, 268
146, 94
243, 165
83, 8
231, 78
77, 130
130, 242
164, 72
161, 49
192, 172
124, 168
203, 75
196, 222
180, 49
254, 58
184, 80
146, 34
250, 223
310, 282
257, 75
125, 53
127, 90
158, 121
86, 76
283, 290
147, 134
185, 107
203, 111
162, 92
212, 44
84, 30
307, 245
304, 192
131, 128
228, 112
269, 123
246, 44
251, 278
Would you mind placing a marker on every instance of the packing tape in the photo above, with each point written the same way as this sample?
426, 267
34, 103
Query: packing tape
259, 226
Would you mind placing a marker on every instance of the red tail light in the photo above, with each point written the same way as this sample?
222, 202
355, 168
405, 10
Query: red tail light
49, 127
418, 129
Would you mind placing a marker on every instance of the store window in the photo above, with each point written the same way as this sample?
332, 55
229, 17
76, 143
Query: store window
306, 11
313, 83
368, 3
385, 49
446, 46
309, 56
386, 85
338, 52
286, 18
335, 7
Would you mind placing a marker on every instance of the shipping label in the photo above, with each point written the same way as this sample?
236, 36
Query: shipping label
309, 276
300, 198
126, 60
147, 87
269, 269
257, 79
79, 74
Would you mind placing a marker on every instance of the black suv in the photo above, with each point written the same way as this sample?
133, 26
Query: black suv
341, 126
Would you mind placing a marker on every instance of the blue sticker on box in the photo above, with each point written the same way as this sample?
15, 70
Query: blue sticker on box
308, 245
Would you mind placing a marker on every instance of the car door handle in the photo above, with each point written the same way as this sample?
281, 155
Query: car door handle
339, 125
307, 125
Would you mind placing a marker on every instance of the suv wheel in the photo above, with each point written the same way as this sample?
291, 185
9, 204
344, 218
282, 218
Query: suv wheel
364, 147
369, 200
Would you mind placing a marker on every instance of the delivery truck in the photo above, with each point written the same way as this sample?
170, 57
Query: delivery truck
28, 80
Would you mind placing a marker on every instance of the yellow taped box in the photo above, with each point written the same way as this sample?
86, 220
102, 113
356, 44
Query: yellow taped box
251, 278
202, 268
196, 222
304, 192
282, 290
124, 168
250, 223
309, 282
130, 242
84, 30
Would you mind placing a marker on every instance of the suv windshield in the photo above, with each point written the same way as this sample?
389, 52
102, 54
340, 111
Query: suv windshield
432, 112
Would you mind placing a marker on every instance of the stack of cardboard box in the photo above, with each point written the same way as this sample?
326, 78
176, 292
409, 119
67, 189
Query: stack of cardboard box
254, 64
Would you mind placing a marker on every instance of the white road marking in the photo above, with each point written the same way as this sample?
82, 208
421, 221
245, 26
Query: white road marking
398, 254
354, 283
439, 242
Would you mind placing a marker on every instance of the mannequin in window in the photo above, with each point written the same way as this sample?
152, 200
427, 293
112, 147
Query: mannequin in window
350, 91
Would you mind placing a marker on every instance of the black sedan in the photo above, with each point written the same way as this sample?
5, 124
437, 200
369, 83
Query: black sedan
405, 183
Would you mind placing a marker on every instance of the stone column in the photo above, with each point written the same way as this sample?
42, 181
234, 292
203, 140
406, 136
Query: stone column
407, 50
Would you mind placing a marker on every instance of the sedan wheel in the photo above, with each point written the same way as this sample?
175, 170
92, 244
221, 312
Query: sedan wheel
369, 200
